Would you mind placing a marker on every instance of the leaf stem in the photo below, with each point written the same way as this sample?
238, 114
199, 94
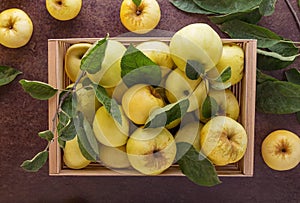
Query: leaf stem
294, 13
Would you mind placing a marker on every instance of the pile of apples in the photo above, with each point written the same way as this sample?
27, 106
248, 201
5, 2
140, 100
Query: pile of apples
151, 151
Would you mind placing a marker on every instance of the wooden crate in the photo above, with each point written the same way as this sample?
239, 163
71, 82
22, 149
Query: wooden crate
244, 91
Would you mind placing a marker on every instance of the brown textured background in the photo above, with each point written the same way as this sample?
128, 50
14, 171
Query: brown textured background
22, 117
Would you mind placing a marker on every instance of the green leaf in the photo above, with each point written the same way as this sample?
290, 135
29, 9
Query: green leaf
277, 56
225, 75
8, 74
194, 69
61, 143
92, 60
196, 166
251, 16
47, 135
278, 97
189, 6
210, 107
65, 127
293, 76
137, 2
228, 6
267, 7
137, 68
241, 30
36, 162
285, 48
110, 104
262, 77
38, 90
87, 141
164, 116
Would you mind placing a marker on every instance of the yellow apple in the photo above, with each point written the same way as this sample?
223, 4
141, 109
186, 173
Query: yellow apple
233, 56
114, 157
179, 86
15, 28
73, 157
152, 150
63, 9
223, 140
140, 19
227, 103
281, 150
110, 73
73, 59
159, 53
87, 101
190, 133
108, 131
139, 101
197, 42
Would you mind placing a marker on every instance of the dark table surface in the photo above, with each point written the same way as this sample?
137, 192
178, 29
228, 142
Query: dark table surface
22, 117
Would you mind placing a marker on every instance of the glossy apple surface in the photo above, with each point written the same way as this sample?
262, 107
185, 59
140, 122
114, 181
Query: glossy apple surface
281, 150
15, 28
63, 9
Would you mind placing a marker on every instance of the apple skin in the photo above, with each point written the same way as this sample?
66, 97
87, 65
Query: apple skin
108, 131
179, 86
281, 150
152, 150
197, 42
139, 101
114, 157
227, 102
190, 133
159, 53
63, 9
73, 58
110, 73
16, 28
223, 140
233, 56
73, 157
140, 19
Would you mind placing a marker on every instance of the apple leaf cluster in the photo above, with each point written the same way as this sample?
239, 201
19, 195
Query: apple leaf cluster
196, 166
8, 74
239, 20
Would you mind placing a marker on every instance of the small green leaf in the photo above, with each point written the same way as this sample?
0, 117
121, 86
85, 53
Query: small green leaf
284, 48
92, 60
267, 7
196, 166
38, 90
210, 107
87, 140
8, 74
61, 143
194, 69
252, 16
225, 75
137, 68
110, 104
241, 30
47, 135
164, 116
278, 97
277, 56
228, 6
189, 6
293, 75
137, 2
36, 162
